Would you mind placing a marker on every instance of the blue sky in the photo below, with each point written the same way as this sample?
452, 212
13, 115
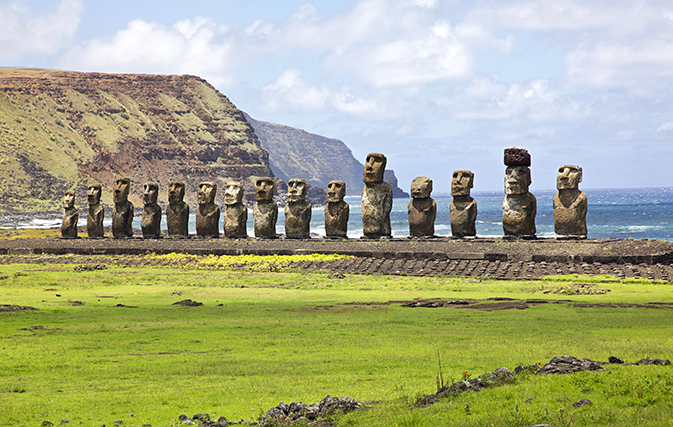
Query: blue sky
435, 85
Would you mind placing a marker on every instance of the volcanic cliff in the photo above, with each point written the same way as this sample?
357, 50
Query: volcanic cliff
62, 130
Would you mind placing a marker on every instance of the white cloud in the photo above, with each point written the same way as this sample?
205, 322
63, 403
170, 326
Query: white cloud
291, 91
25, 31
665, 131
194, 46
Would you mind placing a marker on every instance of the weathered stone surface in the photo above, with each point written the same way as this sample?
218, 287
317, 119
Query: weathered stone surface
497, 377
422, 208
177, 212
70, 216
265, 211
208, 213
150, 222
566, 364
297, 412
463, 208
336, 210
516, 156
651, 361
570, 204
519, 207
122, 213
235, 212
96, 213
297, 210
377, 198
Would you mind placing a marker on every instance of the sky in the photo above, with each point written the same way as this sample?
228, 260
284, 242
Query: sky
435, 85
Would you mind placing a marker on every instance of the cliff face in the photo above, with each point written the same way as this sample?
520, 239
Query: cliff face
62, 130
295, 153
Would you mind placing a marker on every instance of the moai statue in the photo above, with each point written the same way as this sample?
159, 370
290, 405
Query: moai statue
336, 210
235, 212
422, 208
265, 211
297, 210
122, 213
177, 212
70, 216
377, 198
519, 205
208, 213
463, 208
150, 223
94, 219
570, 204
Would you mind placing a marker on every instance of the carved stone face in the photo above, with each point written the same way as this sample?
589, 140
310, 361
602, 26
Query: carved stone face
264, 189
336, 191
374, 168
93, 194
296, 190
176, 192
69, 200
121, 191
569, 177
421, 187
206, 194
150, 193
517, 179
233, 193
461, 183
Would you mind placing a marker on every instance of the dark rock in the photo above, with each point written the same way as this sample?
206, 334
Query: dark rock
615, 360
188, 303
566, 364
650, 361
183, 417
516, 156
582, 402
201, 417
47, 423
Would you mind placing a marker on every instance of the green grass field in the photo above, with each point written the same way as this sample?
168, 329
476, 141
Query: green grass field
261, 338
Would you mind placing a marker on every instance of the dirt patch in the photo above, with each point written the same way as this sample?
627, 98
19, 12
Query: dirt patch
8, 308
664, 305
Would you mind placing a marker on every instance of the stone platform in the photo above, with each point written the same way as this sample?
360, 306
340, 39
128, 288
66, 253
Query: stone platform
493, 258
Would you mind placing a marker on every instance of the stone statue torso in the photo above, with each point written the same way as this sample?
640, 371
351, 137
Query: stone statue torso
150, 223
94, 220
122, 220
463, 212
377, 202
69, 224
177, 219
265, 215
422, 214
336, 219
570, 213
298, 219
208, 220
236, 220
518, 214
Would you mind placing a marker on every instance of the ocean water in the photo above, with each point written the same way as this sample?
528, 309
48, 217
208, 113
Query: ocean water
639, 213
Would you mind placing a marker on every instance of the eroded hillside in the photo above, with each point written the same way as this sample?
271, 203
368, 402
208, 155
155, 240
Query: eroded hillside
62, 130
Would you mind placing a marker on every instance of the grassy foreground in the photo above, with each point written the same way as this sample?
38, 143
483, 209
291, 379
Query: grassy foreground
261, 338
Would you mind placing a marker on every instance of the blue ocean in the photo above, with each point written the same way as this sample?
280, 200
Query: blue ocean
638, 213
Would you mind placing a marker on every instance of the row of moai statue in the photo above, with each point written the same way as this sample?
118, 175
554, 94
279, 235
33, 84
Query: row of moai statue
519, 206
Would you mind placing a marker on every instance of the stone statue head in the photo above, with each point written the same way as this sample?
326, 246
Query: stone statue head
206, 194
121, 191
296, 190
69, 199
150, 193
233, 193
569, 177
265, 189
374, 168
462, 182
93, 194
517, 179
421, 187
176, 192
336, 191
